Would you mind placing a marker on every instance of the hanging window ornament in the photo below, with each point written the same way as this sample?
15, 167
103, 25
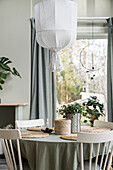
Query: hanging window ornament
93, 55
56, 27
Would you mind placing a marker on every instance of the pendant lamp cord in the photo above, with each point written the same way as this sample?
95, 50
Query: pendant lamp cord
92, 30
92, 44
43, 7
31, 9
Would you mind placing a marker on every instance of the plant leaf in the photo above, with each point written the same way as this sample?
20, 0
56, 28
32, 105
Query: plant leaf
3, 75
8, 62
2, 81
15, 72
1, 87
5, 67
3, 59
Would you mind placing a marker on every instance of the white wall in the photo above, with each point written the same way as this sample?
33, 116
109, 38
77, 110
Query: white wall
15, 44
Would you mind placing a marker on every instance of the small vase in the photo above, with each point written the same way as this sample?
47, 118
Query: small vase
75, 122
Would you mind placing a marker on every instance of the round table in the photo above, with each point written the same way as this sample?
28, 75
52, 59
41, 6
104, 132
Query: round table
53, 153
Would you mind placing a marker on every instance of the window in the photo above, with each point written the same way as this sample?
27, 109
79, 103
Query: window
84, 73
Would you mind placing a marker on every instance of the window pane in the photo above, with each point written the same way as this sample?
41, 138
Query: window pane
84, 73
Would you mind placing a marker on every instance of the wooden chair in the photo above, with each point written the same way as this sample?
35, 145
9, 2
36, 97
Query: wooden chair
99, 123
93, 138
6, 139
20, 124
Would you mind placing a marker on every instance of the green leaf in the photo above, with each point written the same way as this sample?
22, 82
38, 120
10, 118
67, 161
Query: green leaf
2, 81
5, 67
3, 75
84, 114
15, 72
8, 62
1, 87
3, 59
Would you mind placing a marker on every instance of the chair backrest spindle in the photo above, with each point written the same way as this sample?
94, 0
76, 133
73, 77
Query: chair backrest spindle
108, 151
82, 157
91, 151
103, 153
19, 154
98, 148
13, 157
110, 159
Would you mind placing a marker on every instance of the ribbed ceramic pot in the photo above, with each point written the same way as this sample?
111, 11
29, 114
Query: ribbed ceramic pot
75, 122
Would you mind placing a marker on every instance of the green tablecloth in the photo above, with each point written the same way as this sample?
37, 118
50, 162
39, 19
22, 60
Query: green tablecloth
53, 153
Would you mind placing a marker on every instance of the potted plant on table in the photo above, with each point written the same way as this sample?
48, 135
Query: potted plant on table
73, 112
93, 110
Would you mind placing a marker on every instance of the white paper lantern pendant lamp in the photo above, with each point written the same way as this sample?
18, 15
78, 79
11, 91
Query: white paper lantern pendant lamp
56, 27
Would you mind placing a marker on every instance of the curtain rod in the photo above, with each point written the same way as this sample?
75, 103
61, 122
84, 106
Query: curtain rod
92, 18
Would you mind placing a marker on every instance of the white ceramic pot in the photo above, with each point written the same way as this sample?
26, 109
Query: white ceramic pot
75, 123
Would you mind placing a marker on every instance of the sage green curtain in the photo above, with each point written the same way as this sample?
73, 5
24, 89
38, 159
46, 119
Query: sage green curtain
110, 70
43, 82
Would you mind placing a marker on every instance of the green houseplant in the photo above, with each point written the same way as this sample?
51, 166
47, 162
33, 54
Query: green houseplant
93, 109
6, 70
70, 110
73, 112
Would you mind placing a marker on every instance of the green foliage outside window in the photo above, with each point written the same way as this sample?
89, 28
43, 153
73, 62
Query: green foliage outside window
68, 84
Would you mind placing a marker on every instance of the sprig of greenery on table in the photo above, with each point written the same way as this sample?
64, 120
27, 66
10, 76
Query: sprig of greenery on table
5, 70
93, 108
70, 109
